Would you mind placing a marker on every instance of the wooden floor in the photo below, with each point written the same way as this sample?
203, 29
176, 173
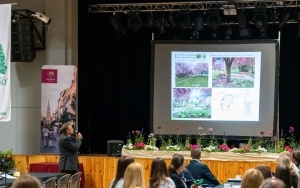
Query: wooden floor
99, 169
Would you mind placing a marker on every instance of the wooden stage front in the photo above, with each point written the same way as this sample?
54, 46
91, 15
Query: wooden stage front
99, 170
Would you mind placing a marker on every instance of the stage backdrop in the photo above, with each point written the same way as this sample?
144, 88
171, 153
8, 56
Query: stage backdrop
5, 35
58, 106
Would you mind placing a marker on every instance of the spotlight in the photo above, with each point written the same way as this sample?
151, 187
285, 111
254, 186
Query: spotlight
228, 32
114, 21
245, 31
195, 35
171, 20
150, 20
213, 19
184, 19
199, 23
260, 18
134, 22
284, 20
42, 17
298, 20
162, 24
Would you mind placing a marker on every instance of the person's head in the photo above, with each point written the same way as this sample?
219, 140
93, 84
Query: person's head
27, 181
273, 183
296, 157
265, 170
252, 178
158, 172
134, 176
177, 163
123, 162
283, 173
287, 154
195, 153
67, 128
284, 160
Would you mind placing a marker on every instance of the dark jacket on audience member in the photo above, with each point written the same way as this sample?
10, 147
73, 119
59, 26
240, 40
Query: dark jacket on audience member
179, 182
201, 171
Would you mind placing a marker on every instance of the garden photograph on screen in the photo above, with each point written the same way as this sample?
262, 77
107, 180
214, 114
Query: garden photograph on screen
215, 85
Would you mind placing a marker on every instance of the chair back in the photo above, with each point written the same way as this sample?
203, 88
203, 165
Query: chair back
50, 183
62, 182
74, 181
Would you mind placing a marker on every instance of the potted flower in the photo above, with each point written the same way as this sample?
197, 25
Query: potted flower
7, 161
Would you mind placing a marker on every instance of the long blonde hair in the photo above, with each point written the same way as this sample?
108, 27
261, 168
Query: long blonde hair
285, 160
252, 178
134, 176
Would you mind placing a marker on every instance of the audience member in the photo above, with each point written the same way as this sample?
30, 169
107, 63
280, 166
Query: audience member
265, 170
252, 178
123, 162
296, 158
134, 176
284, 160
27, 181
159, 177
272, 183
175, 170
289, 155
200, 170
283, 173
187, 176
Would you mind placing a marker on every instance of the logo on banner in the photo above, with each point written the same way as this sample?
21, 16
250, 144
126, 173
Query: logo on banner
49, 76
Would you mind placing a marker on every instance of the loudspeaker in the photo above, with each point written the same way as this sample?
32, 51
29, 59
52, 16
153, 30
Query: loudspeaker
22, 41
114, 147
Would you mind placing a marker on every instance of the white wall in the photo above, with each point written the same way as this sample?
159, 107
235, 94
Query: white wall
22, 133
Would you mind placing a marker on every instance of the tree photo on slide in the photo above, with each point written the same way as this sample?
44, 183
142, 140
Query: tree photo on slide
191, 103
191, 75
233, 72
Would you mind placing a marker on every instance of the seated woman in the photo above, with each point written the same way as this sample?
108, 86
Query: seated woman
159, 175
265, 170
134, 176
283, 173
175, 170
252, 178
27, 181
284, 160
123, 162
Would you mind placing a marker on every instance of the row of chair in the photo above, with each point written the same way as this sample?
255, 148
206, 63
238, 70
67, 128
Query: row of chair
66, 181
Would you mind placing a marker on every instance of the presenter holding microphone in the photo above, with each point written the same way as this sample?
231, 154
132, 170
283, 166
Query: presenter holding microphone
69, 143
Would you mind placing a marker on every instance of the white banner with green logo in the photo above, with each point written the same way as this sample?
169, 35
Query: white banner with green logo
5, 37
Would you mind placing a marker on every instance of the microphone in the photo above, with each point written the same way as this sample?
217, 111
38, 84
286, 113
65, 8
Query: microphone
76, 132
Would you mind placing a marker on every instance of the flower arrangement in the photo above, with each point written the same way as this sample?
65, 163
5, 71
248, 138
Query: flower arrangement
209, 143
6, 160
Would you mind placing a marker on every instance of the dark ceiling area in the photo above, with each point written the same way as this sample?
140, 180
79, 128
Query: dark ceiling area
114, 68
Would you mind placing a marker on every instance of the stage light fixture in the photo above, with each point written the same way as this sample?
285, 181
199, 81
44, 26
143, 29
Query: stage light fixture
245, 31
213, 19
149, 21
284, 20
199, 23
171, 20
184, 19
260, 18
228, 32
41, 16
134, 21
195, 35
114, 21
298, 20
162, 24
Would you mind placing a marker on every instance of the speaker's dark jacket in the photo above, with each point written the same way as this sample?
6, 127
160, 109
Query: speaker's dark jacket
68, 152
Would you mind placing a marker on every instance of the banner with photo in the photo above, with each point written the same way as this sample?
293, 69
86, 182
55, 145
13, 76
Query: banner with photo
5, 37
58, 105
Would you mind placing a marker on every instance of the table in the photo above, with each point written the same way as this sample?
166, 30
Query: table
41, 176
232, 184
53, 167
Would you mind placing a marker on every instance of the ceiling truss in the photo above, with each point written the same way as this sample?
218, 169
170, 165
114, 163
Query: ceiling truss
192, 6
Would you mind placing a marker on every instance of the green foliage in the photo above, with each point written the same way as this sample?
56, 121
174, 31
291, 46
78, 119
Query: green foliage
192, 81
6, 157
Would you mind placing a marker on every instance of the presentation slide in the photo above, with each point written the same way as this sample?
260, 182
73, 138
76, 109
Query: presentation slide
229, 87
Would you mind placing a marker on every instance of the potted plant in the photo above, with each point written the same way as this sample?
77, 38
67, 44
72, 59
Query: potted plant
7, 161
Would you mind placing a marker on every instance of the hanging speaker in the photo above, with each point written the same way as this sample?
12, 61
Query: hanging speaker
22, 41
114, 147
